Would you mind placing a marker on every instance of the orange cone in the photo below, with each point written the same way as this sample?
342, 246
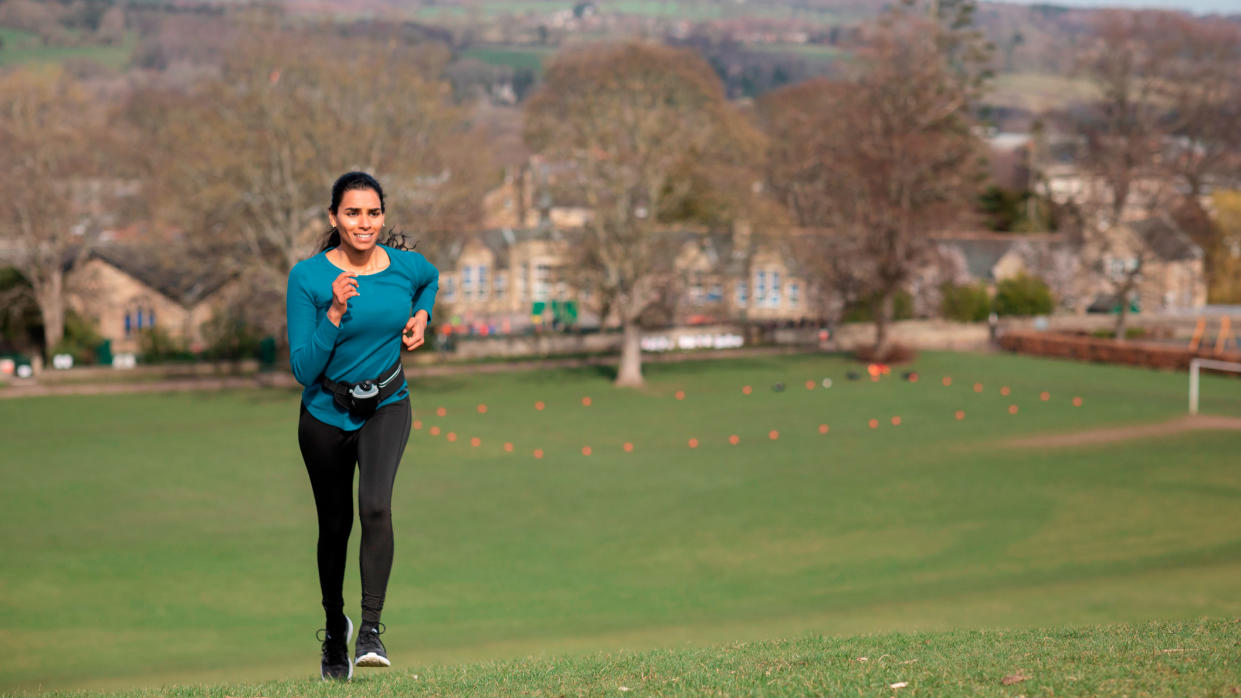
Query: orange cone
823, 429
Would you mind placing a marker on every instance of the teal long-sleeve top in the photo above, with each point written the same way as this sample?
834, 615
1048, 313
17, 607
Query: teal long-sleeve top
368, 340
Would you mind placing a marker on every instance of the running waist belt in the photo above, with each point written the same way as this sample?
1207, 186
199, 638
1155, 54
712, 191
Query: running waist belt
361, 399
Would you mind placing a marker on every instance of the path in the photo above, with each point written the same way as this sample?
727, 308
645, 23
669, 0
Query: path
1128, 433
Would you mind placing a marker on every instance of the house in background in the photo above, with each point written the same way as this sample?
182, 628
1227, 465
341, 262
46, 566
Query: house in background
1083, 275
509, 279
124, 289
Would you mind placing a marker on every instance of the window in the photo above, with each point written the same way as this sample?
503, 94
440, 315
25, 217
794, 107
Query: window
450, 288
467, 282
695, 289
794, 294
743, 293
773, 297
716, 294
760, 287
542, 277
482, 281
501, 283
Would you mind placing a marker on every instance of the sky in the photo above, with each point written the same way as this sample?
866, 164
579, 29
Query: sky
1198, 6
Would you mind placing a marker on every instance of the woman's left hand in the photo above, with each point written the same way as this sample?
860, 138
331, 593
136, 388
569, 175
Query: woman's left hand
415, 329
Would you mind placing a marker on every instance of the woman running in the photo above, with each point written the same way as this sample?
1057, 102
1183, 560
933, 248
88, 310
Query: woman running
350, 308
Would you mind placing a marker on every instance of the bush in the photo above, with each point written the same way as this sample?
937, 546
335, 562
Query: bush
230, 337
81, 340
1023, 295
863, 309
156, 346
969, 303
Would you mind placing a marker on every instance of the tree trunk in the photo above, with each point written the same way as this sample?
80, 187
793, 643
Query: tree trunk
50, 295
883, 317
630, 372
1123, 316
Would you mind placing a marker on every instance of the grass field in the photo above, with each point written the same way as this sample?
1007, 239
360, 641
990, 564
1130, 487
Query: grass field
1148, 659
179, 528
531, 57
20, 47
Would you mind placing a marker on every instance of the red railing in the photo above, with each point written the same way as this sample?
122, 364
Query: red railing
1110, 351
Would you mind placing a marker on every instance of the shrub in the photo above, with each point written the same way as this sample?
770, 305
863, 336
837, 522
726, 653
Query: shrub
863, 309
1023, 295
81, 339
157, 346
230, 337
969, 303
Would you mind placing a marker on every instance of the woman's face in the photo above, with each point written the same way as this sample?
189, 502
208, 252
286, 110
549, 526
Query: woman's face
358, 219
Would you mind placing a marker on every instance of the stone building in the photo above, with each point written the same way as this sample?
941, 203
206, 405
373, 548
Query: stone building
125, 289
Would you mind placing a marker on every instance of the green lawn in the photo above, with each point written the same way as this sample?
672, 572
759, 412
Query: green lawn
531, 57
180, 528
1148, 659
23, 47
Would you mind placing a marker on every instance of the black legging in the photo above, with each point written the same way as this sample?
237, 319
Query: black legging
330, 454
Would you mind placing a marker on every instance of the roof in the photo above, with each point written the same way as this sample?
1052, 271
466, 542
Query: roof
183, 282
981, 256
498, 240
982, 251
1166, 239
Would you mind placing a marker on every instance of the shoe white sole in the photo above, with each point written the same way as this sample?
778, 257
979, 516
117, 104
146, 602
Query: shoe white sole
348, 637
372, 659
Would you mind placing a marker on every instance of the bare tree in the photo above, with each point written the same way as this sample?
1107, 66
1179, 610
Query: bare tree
651, 138
1124, 132
886, 157
243, 164
50, 132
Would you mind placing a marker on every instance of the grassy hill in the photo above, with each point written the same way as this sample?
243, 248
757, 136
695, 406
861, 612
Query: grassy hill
153, 539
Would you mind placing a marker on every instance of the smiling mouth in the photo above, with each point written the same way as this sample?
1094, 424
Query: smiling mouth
363, 236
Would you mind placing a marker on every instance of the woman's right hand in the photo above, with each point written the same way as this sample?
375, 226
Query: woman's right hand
343, 288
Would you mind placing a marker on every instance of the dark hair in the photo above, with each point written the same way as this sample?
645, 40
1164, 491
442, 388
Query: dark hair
358, 181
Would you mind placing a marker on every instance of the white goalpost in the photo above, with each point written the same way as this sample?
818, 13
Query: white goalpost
1194, 365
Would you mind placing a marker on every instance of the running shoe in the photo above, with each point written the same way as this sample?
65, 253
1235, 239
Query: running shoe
335, 662
370, 651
